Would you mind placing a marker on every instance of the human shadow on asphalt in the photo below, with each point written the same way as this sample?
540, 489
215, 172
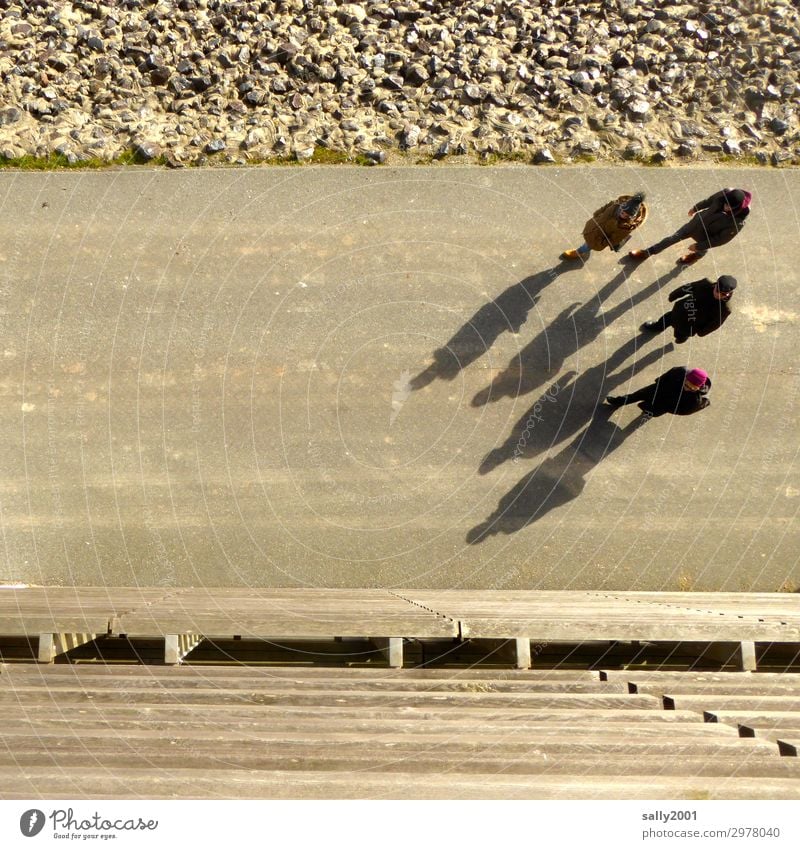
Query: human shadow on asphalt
577, 325
508, 311
556, 481
567, 405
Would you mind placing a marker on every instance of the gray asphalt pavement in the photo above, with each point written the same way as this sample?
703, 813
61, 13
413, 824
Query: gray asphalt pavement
280, 377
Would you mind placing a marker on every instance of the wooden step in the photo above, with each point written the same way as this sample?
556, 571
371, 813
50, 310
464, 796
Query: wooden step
296, 729
323, 699
288, 713
386, 747
216, 742
88, 783
755, 691
360, 757
324, 685
757, 718
653, 677
74, 726
207, 671
788, 738
722, 702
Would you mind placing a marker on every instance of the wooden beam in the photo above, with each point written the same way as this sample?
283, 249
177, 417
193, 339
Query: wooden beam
177, 646
391, 648
52, 645
523, 653
748, 653
47, 648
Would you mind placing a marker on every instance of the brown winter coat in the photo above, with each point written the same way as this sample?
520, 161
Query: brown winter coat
604, 229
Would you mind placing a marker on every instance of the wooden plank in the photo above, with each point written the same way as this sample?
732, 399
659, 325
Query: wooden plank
327, 684
165, 724
361, 758
705, 688
281, 714
644, 613
90, 783
693, 599
53, 622
711, 600
318, 612
268, 625
789, 736
602, 629
755, 717
210, 671
721, 677
321, 748
715, 702
395, 699
314, 612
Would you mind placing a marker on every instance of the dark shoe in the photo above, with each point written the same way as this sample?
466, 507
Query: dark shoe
615, 400
638, 255
652, 326
688, 259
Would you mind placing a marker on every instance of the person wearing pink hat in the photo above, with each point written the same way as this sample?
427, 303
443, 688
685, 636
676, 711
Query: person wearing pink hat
713, 222
680, 391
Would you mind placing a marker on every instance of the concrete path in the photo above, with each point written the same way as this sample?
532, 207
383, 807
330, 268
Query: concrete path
279, 377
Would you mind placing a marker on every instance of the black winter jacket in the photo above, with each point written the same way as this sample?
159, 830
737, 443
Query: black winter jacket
666, 395
711, 227
697, 312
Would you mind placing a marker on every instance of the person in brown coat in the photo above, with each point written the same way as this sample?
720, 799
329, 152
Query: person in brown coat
611, 226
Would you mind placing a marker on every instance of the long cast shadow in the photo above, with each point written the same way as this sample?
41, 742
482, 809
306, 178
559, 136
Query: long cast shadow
569, 404
507, 312
637, 298
576, 326
556, 481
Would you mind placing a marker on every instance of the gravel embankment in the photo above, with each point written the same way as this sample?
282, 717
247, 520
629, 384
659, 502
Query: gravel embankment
200, 80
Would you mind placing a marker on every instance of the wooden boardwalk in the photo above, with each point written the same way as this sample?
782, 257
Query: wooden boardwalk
183, 616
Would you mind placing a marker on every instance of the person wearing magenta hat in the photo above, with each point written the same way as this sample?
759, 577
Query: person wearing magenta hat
700, 308
714, 222
680, 391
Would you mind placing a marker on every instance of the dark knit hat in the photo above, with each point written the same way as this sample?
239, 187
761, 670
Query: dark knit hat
737, 199
726, 283
631, 206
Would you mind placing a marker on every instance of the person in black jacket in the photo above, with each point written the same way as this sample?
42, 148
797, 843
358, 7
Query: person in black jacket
714, 222
700, 308
680, 391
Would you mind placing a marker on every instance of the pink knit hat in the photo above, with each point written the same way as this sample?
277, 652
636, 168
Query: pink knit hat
697, 377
